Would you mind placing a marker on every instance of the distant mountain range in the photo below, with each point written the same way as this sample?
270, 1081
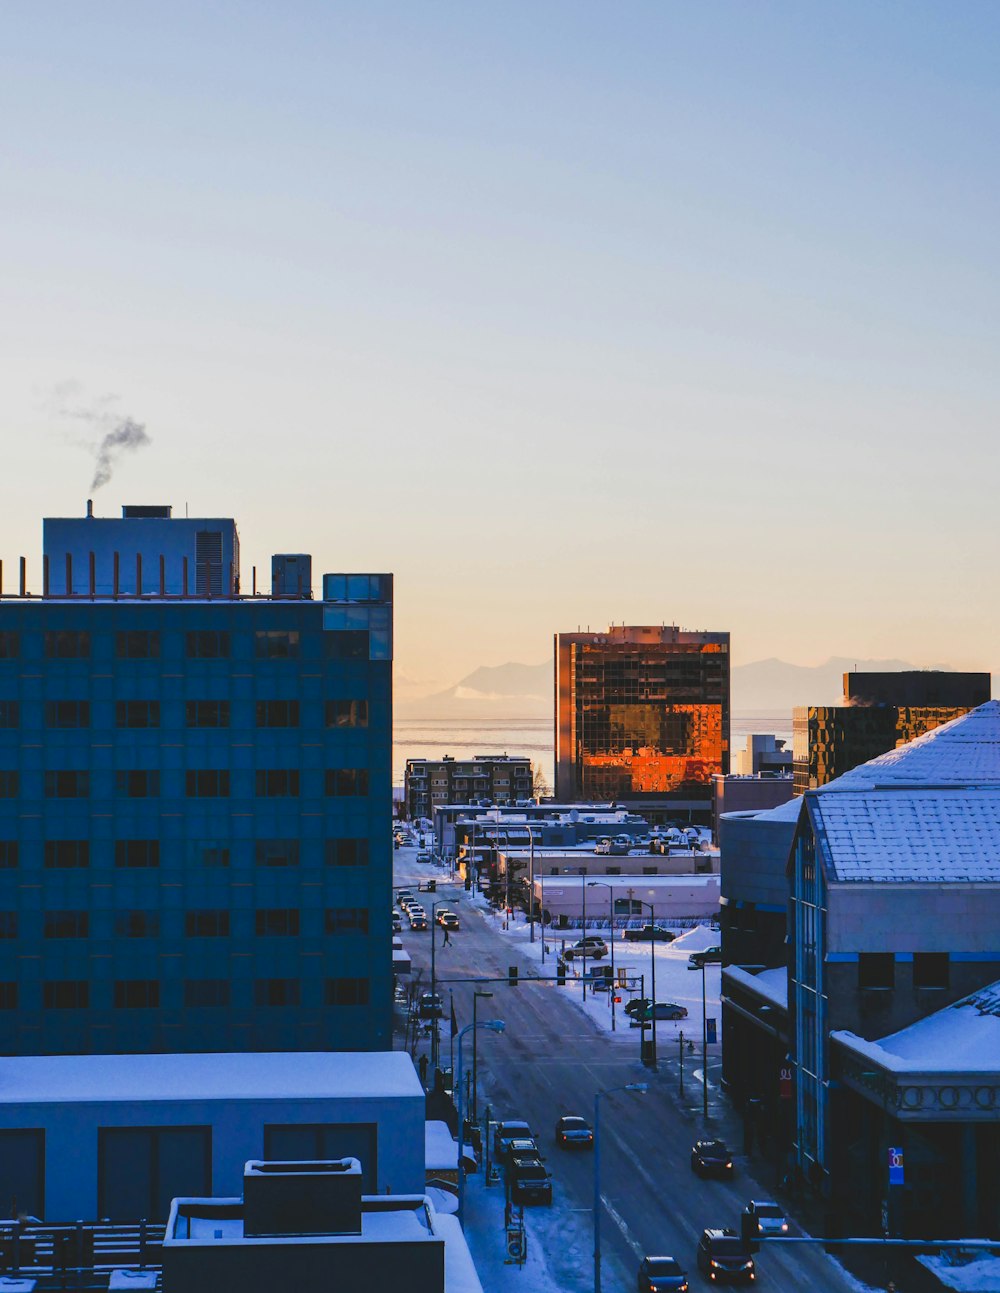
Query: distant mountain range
524, 691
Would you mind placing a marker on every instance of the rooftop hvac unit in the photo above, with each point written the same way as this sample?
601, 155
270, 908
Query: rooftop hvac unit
291, 574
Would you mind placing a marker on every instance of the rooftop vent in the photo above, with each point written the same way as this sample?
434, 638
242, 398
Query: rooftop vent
302, 1198
137, 511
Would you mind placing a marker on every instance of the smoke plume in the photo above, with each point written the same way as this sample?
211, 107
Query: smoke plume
127, 435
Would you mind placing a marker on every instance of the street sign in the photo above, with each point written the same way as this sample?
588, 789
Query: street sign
517, 1245
710, 1032
895, 1166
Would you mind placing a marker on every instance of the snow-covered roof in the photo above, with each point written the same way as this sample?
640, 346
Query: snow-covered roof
927, 812
770, 985
308, 1075
960, 1038
440, 1148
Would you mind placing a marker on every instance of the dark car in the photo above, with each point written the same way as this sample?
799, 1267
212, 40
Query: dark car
431, 1006
657, 1274
661, 1010
711, 1158
709, 956
574, 1133
505, 1132
647, 932
529, 1181
523, 1147
637, 1005
723, 1257
593, 947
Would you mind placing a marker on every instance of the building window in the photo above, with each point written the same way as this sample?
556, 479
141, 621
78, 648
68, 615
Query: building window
8, 995
66, 994
214, 855
208, 783
650, 870
140, 1170
931, 970
207, 644
137, 924
347, 852
347, 781
67, 785
276, 644
206, 924
346, 992
273, 783
137, 644
347, 713
346, 920
67, 713
67, 924
276, 852
8, 853
10, 644
138, 784
613, 870
276, 992
137, 994
8, 924
278, 921
67, 644
137, 713
10, 784
22, 1183
206, 992
137, 853
277, 713
10, 713
876, 970
346, 644
207, 713
61, 855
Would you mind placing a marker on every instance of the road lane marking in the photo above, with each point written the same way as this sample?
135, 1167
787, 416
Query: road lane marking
620, 1222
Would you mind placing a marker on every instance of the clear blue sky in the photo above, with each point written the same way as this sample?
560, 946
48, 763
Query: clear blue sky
564, 312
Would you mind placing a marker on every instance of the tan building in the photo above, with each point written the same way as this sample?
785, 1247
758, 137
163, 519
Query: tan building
496, 778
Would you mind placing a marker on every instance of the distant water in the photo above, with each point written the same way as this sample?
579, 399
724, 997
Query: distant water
429, 738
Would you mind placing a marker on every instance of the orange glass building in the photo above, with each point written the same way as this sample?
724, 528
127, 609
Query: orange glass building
640, 711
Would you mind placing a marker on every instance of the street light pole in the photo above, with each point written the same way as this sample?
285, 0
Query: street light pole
611, 894
652, 958
629, 1086
475, 1055
531, 891
583, 890
494, 1026
704, 1041
434, 1034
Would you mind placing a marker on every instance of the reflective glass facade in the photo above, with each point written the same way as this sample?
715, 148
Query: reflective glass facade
641, 711
195, 799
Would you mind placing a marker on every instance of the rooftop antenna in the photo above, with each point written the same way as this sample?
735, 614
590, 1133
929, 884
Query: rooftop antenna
185, 511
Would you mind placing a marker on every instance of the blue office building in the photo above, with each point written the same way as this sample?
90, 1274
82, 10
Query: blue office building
195, 798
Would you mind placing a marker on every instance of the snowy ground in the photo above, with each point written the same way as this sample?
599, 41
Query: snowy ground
547, 1242
674, 981
981, 1275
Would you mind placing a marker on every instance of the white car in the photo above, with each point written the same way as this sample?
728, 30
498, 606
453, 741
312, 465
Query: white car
769, 1217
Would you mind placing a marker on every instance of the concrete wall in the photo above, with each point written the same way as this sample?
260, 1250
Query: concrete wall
754, 857
71, 1139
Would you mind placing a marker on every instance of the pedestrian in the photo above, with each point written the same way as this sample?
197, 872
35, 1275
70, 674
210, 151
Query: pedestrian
447, 937
422, 1065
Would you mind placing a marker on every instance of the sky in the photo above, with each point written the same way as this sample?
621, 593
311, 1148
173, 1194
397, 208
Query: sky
564, 312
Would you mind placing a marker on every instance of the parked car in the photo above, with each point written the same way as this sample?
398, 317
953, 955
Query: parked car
397, 922
723, 1257
710, 956
574, 1133
661, 1010
505, 1132
523, 1147
768, 1217
593, 947
529, 1181
711, 1158
657, 1274
424, 856
646, 933
431, 1006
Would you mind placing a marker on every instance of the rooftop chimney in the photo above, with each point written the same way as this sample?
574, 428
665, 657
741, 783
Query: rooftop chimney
90, 508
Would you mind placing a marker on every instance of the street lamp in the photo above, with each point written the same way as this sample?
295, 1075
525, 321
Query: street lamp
531, 890
494, 1026
629, 1086
583, 890
611, 893
434, 1034
704, 1043
475, 1055
652, 958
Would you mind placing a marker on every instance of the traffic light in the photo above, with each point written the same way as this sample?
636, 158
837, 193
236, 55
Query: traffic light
749, 1232
512, 976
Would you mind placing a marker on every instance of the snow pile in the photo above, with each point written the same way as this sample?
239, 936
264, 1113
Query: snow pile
697, 940
981, 1275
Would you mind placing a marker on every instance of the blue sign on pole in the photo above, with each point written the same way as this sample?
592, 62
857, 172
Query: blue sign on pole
895, 1166
710, 1032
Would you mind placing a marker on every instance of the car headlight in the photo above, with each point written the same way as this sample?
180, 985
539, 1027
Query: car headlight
784, 1225
729, 1167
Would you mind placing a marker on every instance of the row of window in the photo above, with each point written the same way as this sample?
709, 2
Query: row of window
68, 854
204, 644
130, 994
68, 714
201, 783
878, 970
281, 921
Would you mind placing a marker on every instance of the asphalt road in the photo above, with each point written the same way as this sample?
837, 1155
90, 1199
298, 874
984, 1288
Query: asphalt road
551, 1060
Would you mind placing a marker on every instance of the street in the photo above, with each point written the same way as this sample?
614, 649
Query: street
550, 1061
